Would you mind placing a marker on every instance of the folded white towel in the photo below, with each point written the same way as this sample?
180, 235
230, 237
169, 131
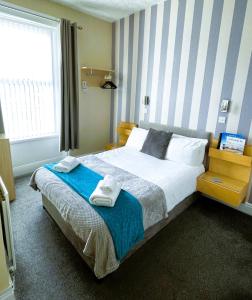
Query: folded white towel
69, 161
108, 184
67, 164
101, 198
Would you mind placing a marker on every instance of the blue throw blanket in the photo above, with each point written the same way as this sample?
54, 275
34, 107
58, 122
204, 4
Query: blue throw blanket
124, 220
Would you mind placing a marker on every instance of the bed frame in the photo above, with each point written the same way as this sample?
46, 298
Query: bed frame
150, 232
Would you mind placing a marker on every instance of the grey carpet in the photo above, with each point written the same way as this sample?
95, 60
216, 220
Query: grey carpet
205, 253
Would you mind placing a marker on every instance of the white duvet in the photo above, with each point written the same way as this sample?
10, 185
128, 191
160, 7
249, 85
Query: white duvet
177, 180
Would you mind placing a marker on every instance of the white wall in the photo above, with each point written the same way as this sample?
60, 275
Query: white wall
29, 155
94, 120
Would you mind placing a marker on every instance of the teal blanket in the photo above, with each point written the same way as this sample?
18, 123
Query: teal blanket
124, 220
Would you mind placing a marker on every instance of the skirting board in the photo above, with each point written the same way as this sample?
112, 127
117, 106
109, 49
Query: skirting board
29, 168
245, 208
8, 294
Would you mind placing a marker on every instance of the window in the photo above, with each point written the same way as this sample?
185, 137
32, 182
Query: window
28, 77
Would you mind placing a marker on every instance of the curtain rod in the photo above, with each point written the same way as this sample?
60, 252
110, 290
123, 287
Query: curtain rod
32, 12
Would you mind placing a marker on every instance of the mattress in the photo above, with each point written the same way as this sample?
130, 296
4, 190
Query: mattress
177, 180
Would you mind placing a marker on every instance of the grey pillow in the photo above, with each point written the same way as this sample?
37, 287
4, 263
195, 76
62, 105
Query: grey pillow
156, 143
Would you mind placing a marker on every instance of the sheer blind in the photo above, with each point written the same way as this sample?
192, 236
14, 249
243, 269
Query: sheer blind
27, 87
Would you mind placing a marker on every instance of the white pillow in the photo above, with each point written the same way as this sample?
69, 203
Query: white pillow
186, 150
137, 138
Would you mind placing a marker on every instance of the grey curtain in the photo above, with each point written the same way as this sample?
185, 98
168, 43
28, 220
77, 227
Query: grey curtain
69, 134
1, 121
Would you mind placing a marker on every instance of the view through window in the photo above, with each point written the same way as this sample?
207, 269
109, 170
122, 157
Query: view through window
27, 78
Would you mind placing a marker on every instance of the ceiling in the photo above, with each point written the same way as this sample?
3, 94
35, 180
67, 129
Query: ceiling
109, 10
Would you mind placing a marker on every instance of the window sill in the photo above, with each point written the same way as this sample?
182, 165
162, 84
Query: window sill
34, 139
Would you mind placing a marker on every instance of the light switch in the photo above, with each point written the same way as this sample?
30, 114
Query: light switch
222, 120
84, 85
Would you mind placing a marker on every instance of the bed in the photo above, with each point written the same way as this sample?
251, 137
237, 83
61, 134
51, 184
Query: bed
169, 186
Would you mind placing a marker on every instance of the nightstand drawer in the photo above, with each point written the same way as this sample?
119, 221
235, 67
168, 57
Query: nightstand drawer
222, 188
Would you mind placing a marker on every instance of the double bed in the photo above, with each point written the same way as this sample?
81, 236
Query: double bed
164, 188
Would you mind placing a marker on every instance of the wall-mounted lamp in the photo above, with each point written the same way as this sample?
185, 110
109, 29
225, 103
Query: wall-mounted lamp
224, 108
225, 105
146, 100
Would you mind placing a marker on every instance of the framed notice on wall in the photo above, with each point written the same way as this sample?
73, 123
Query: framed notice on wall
232, 142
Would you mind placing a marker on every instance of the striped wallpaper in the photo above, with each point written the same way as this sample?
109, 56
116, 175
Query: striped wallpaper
186, 55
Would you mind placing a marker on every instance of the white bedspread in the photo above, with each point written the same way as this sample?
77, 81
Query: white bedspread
176, 180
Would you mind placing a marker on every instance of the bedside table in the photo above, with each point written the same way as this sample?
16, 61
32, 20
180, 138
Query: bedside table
111, 146
228, 177
123, 130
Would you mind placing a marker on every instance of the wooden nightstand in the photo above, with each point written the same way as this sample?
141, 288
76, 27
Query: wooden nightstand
112, 146
228, 177
123, 130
